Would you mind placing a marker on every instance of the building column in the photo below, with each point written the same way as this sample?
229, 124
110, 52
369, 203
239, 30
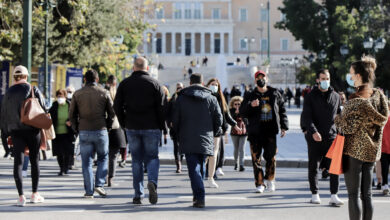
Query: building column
222, 37
212, 43
173, 41
230, 10
163, 43
154, 42
183, 43
231, 44
202, 43
145, 42
192, 43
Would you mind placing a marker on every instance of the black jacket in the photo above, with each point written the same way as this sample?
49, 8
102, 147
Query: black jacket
237, 118
253, 114
319, 112
227, 118
139, 102
197, 119
11, 105
54, 116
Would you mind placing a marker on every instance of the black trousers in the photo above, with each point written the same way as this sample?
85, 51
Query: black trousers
20, 140
265, 146
385, 162
4, 141
63, 148
358, 178
317, 152
176, 151
221, 154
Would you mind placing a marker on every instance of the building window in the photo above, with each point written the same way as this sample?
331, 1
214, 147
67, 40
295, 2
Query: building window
243, 44
284, 44
197, 11
177, 11
264, 15
216, 13
243, 14
159, 13
264, 45
187, 11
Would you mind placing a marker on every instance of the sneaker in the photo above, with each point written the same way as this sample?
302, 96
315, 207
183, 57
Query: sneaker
270, 186
335, 201
212, 183
24, 173
36, 198
198, 204
101, 191
60, 173
21, 201
242, 168
315, 199
153, 197
385, 190
235, 166
260, 189
219, 172
88, 196
137, 201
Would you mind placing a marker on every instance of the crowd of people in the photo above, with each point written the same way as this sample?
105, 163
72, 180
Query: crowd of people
139, 111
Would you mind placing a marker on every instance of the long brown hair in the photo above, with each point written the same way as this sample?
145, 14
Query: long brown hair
222, 97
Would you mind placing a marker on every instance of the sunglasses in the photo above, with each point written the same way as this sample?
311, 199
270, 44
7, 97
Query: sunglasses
237, 104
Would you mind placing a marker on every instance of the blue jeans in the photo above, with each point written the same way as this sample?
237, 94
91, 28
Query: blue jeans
25, 163
92, 142
196, 171
144, 150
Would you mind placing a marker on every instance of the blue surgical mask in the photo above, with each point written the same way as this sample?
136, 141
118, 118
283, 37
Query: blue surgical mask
325, 84
214, 88
350, 81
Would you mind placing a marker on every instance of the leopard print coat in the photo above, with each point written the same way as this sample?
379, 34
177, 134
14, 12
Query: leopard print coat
362, 121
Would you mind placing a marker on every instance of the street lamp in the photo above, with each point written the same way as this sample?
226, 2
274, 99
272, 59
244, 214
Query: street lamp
287, 62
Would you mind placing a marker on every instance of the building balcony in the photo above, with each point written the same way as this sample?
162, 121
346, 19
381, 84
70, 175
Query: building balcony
189, 22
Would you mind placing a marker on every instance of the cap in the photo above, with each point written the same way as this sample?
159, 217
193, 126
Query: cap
20, 70
260, 72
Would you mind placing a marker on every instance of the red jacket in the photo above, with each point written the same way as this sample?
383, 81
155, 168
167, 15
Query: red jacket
386, 138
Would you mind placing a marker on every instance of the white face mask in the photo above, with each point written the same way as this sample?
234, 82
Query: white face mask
214, 88
69, 95
61, 101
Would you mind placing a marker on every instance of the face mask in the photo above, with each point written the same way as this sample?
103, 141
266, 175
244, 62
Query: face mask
61, 100
324, 85
260, 83
350, 81
69, 95
214, 89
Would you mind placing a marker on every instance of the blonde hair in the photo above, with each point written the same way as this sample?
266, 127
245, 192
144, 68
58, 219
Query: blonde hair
235, 99
166, 91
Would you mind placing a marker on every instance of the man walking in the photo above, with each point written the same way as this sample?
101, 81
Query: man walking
91, 113
264, 108
139, 105
197, 119
317, 120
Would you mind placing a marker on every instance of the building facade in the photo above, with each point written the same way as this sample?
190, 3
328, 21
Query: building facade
211, 27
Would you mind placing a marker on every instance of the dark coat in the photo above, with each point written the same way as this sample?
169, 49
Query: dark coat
238, 117
227, 118
197, 119
319, 112
54, 116
139, 102
11, 105
253, 114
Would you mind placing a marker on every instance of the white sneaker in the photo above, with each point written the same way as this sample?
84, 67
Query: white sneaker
315, 199
21, 201
270, 186
36, 198
386, 190
219, 172
260, 189
24, 173
212, 183
335, 201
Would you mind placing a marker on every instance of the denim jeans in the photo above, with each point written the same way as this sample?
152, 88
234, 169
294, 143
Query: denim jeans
92, 142
144, 151
196, 170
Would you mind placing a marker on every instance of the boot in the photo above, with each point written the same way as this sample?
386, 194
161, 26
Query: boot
178, 166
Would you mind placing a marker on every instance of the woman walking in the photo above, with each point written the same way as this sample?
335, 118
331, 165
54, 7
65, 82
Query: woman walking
214, 85
22, 135
362, 121
65, 136
116, 135
238, 137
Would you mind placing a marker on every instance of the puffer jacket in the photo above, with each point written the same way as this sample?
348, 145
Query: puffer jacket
362, 121
197, 119
12, 104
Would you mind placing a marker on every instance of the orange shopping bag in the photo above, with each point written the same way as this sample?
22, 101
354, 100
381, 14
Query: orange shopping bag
335, 153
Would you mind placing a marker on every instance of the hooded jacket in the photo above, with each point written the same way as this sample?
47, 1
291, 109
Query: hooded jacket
362, 121
197, 119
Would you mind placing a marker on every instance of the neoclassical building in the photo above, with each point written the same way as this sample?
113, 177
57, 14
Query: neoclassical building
210, 27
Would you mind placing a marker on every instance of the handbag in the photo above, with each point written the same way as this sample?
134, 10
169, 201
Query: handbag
33, 114
335, 153
50, 133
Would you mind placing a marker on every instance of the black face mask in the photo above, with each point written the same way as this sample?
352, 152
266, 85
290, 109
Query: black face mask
260, 83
